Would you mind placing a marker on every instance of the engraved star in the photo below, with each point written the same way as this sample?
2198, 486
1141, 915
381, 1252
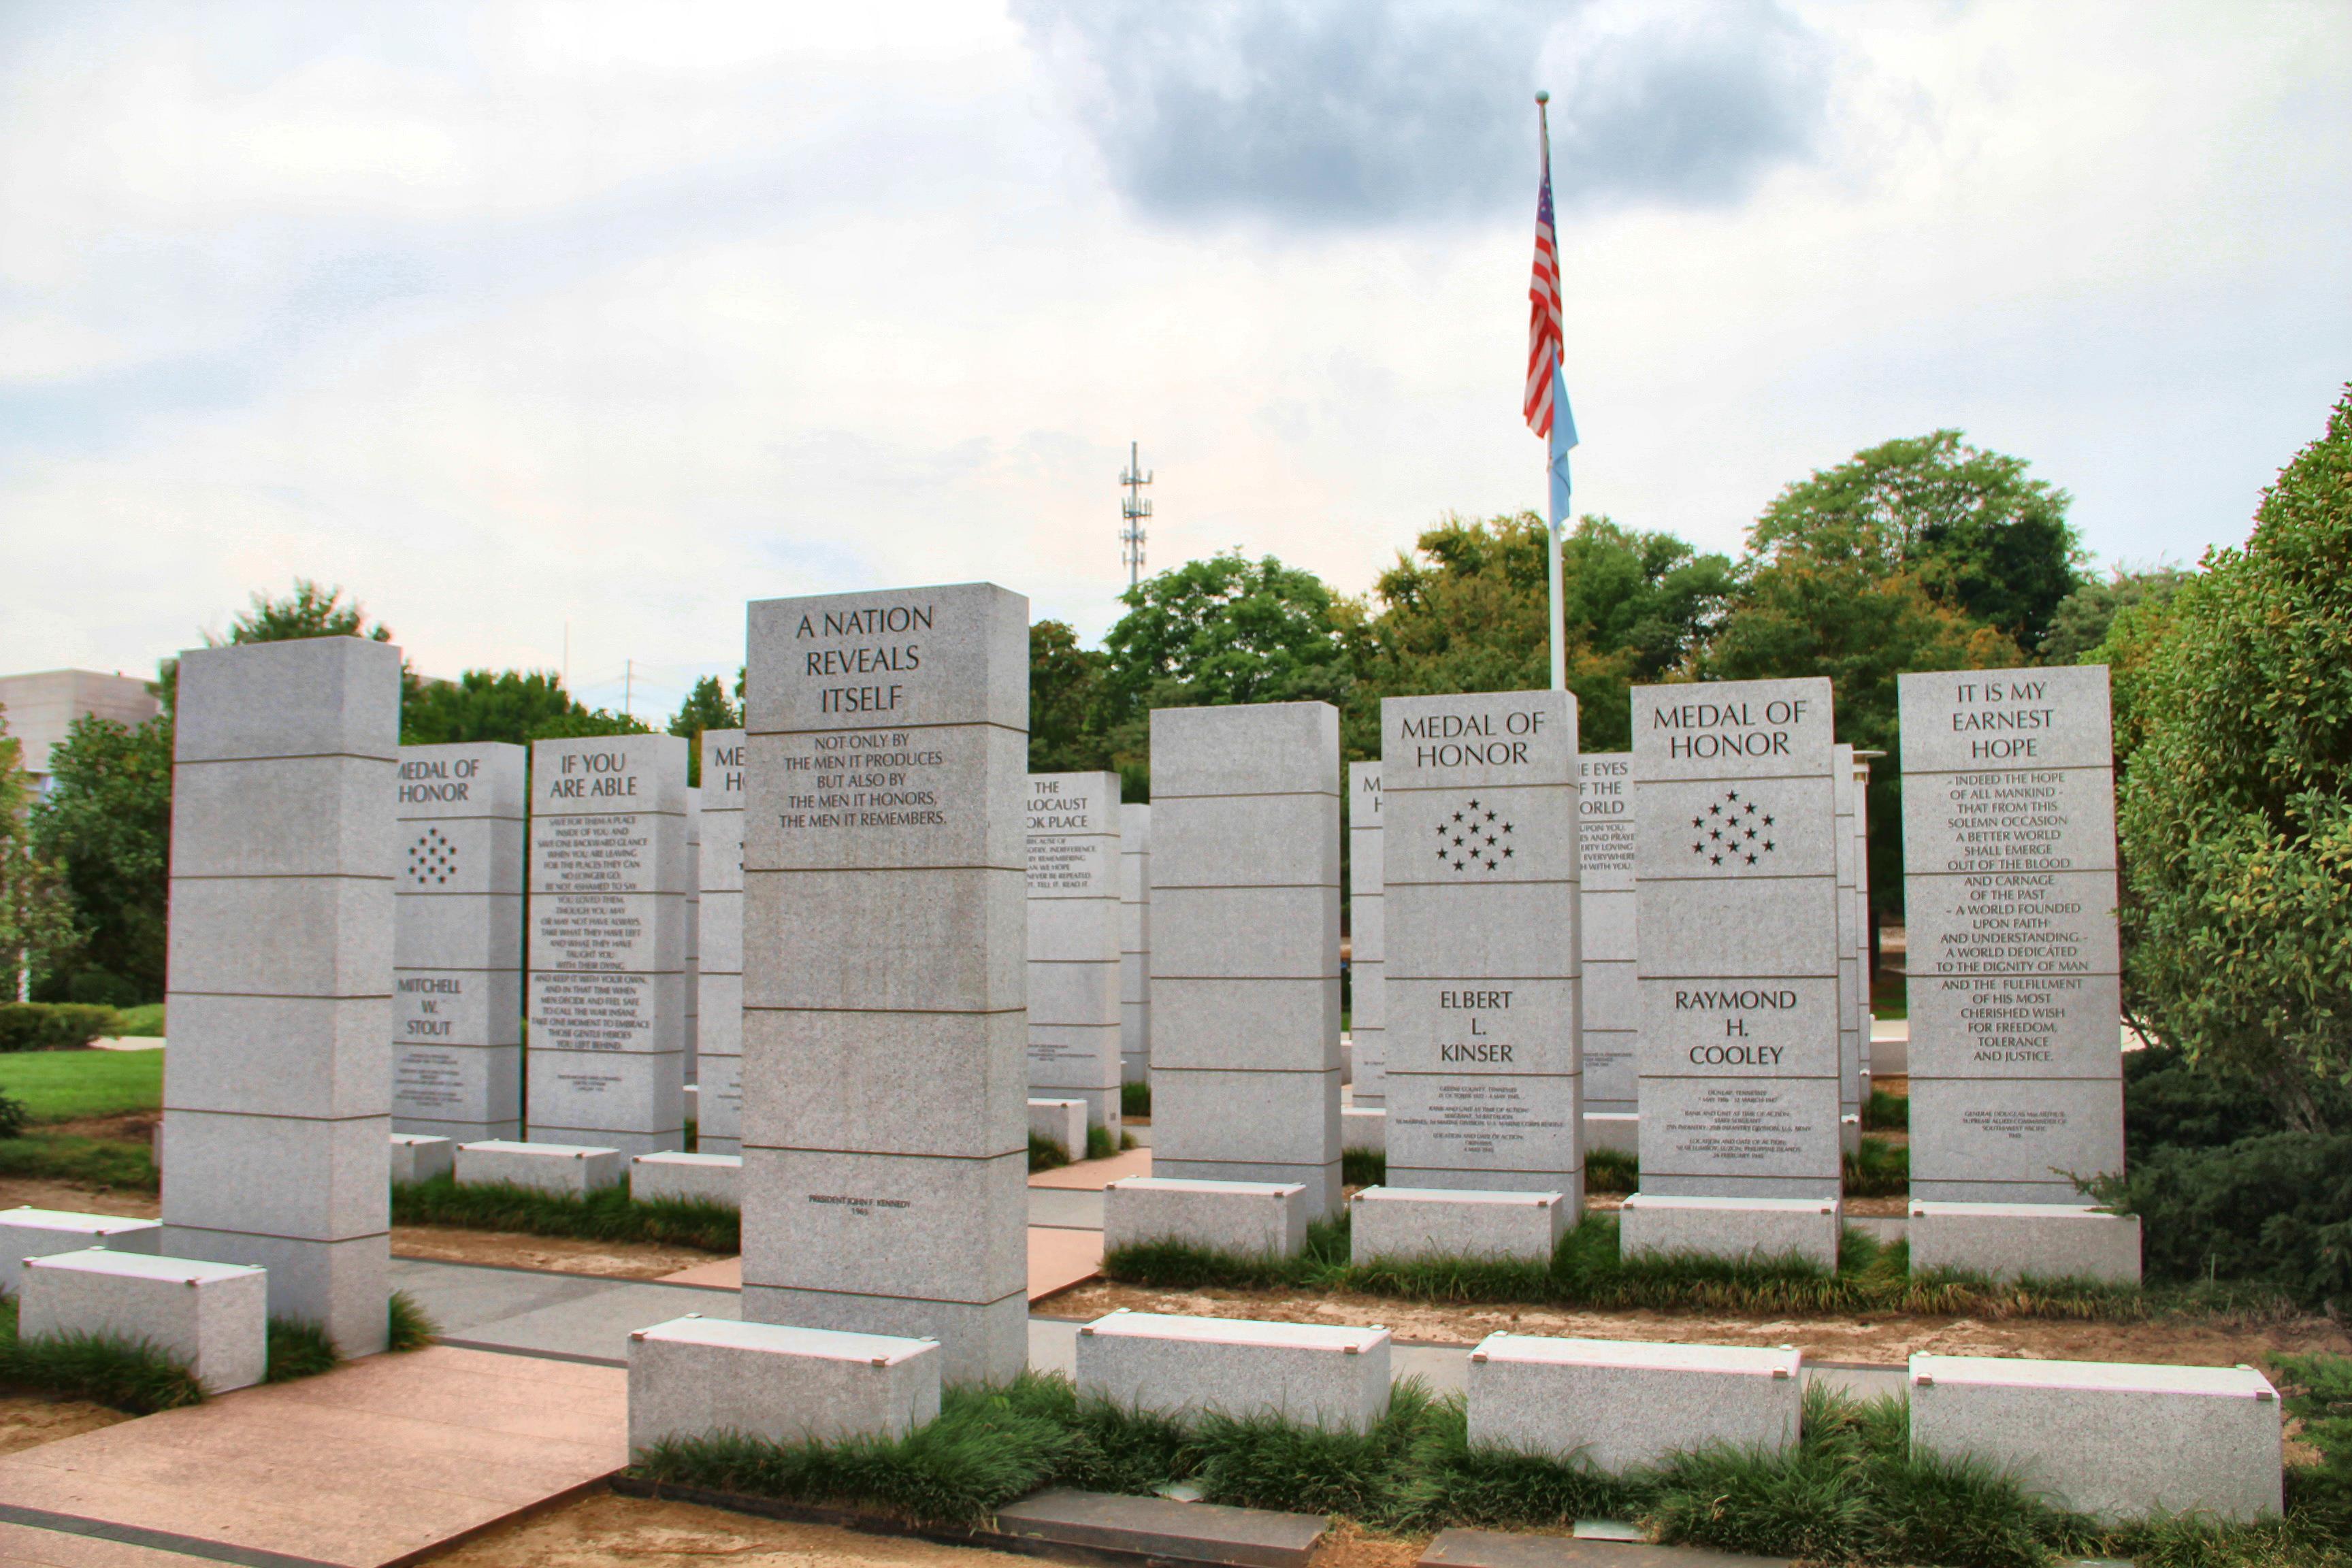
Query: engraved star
1715, 811
1457, 865
1474, 806
1490, 840
1768, 843
1457, 816
1715, 833
1698, 848
1751, 859
1698, 822
1441, 853
1752, 833
1733, 795
1490, 864
1507, 827
1715, 859
1490, 816
1506, 852
1768, 822
1457, 839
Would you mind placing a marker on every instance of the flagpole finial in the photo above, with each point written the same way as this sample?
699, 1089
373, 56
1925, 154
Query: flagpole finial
1542, 97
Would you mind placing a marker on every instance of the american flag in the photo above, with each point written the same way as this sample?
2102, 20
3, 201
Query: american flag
1543, 311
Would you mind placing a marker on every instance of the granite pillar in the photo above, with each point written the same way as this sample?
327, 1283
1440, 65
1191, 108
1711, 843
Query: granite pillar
2008, 847
693, 1033
1610, 993
1367, 937
457, 1015
1736, 906
719, 1093
1246, 946
1073, 848
885, 942
1485, 1075
278, 1101
1135, 943
608, 872
1849, 927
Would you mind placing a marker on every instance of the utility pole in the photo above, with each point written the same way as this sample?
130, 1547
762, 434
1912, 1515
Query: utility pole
1133, 510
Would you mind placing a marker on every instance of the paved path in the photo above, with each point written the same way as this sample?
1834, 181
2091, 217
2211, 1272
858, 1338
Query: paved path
366, 1466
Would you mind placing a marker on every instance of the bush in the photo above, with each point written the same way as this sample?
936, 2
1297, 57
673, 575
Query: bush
69, 1157
2274, 1210
1135, 1102
142, 1022
51, 1025
1046, 1153
13, 1117
1884, 1112
1878, 1170
607, 1215
117, 1373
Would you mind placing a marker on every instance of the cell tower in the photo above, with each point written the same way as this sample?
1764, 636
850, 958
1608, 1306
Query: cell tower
1133, 510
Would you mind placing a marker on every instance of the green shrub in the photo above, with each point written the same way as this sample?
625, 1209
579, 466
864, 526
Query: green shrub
298, 1348
1046, 1153
1363, 1167
69, 1157
1100, 1145
1878, 1170
2273, 1210
13, 1117
1884, 1112
606, 1215
1612, 1171
140, 1023
409, 1328
120, 1374
51, 1025
1135, 1102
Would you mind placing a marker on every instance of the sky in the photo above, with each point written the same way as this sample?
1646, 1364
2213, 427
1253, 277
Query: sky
555, 332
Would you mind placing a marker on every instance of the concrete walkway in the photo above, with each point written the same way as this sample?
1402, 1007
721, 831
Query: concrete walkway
366, 1466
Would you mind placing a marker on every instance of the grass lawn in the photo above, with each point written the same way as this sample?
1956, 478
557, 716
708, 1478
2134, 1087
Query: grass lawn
66, 1086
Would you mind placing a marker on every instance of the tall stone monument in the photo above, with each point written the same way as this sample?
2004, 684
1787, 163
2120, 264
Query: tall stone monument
608, 875
1246, 946
1484, 1074
278, 1101
2009, 848
1367, 937
1736, 896
1862, 921
1073, 915
1135, 945
457, 992
885, 944
1610, 991
718, 1094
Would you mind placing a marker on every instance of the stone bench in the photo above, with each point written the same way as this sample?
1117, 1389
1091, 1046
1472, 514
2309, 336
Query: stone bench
1311, 1373
2108, 1439
1625, 1402
420, 1156
1401, 1224
565, 1169
1364, 1128
38, 1233
693, 1376
1243, 1219
2013, 1241
211, 1318
1738, 1229
672, 1177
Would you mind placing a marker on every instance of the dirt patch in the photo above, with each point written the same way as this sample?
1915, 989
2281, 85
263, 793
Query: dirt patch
609, 1531
76, 1198
130, 1127
1879, 1338
29, 1420
1350, 1545
565, 1255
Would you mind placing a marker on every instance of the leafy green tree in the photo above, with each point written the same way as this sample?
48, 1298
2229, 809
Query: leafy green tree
1065, 693
579, 722
1222, 630
37, 923
2081, 621
1806, 610
107, 825
1469, 611
1979, 535
707, 707
2235, 808
310, 611
509, 705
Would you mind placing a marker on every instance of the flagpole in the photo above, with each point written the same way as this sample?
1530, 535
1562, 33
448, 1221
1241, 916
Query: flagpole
1559, 618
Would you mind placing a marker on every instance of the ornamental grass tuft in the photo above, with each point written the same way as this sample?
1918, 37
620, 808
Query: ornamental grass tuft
610, 1215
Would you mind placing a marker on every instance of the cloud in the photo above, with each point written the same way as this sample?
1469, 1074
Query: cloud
1355, 113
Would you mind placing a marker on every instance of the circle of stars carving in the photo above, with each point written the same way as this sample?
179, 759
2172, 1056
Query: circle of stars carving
1732, 831
1475, 836
432, 858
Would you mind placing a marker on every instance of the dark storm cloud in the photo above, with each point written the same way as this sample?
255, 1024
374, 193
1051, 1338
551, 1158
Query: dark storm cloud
1373, 111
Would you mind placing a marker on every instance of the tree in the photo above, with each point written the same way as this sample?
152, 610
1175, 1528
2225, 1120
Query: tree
705, 707
2081, 621
1840, 614
36, 926
2234, 814
310, 611
1065, 692
1217, 631
107, 825
509, 705
1469, 611
1979, 536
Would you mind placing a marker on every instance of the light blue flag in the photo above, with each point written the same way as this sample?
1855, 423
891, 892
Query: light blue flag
1563, 436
